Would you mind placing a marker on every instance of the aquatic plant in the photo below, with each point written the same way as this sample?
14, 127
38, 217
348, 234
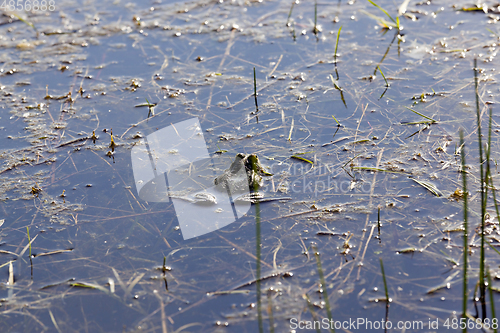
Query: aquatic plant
394, 22
466, 228
323, 286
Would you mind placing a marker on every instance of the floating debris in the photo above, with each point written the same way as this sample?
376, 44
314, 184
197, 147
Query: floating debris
429, 186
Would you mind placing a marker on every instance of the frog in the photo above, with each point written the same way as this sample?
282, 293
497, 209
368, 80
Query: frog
236, 180
232, 176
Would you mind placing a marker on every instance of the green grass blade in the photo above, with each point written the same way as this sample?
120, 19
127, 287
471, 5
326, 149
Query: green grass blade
466, 241
493, 33
380, 70
494, 248
482, 288
29, 238
492, 300
89, 285
494, 198
352, 159
384, 11
337, 45
315, 30
385, 281
254, 83
490, 179
336, 120
270, 312
323, 287
255, 94
24, 21
384, 23
302, 159
311, 309
290, 14
422, 115
378, 219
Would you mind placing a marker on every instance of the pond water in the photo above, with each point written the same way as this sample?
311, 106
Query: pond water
356, 172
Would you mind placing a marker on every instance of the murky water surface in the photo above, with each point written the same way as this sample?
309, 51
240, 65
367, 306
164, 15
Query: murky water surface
105, 260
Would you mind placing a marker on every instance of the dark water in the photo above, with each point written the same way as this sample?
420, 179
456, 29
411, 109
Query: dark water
196, 60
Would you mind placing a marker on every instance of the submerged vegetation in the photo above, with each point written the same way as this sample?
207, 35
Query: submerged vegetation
385, 194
